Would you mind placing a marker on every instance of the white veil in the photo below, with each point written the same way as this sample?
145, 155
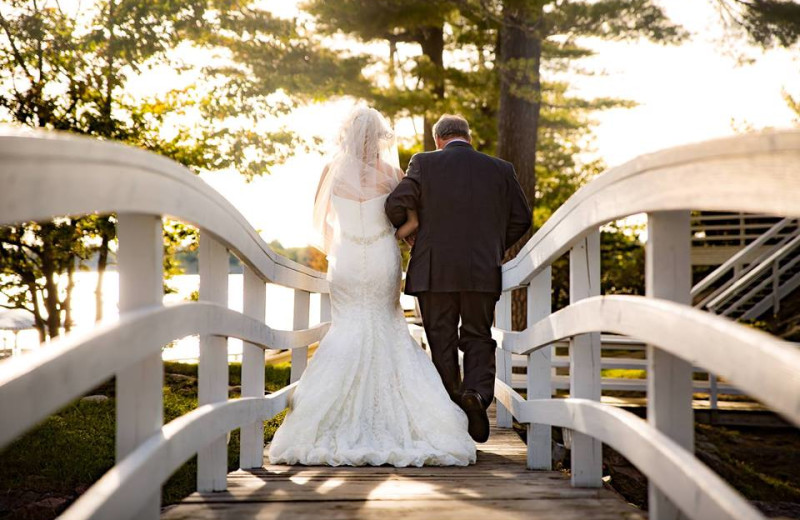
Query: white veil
364, 166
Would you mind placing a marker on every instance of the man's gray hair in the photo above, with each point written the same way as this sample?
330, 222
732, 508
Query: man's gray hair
449, 126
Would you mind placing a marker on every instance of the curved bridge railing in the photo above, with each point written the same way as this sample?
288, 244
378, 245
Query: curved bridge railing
757, 173
84, 176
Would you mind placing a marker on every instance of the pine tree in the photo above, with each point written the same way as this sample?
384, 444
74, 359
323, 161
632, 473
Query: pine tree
397, 21
767, 23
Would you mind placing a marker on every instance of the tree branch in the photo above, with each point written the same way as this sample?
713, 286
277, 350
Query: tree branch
14, 49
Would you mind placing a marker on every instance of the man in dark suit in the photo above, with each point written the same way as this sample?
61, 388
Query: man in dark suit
471, 209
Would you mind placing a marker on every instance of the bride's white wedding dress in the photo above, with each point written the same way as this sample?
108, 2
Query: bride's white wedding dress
370, 394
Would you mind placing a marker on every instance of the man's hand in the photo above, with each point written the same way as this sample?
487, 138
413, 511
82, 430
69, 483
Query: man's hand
410, 239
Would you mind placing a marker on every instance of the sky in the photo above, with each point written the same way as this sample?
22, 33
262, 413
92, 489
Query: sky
685, 94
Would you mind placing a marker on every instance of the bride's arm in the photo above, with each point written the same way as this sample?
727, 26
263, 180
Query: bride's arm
409, 227
405, 196
324, 228
322, 178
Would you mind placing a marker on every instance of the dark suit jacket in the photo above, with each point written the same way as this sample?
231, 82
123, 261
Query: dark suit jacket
471, 209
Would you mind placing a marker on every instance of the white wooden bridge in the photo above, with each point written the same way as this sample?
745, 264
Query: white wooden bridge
757, 174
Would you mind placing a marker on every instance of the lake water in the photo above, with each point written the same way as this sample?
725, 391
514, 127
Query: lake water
279, 309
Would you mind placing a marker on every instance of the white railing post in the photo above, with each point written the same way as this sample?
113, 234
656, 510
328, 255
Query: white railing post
140, 405
776, 287
302, 299
539, 364
212, 461
503, 358
251, 450
324, 307
584, 360
712, 390
669, 378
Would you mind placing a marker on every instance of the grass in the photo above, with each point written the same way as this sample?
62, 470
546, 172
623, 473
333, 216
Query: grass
762, 466
622, 373
72, 449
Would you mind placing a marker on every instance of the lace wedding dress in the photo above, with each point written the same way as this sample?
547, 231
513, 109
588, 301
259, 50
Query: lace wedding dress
370, 394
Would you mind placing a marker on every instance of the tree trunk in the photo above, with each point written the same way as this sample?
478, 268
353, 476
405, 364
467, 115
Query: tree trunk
109, 73
66, 304
431, 40
38, 321
102, 262
51, 293
520, 103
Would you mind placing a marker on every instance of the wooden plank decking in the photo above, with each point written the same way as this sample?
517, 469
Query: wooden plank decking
497, 486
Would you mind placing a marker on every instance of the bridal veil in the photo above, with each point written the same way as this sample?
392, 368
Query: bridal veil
364, 166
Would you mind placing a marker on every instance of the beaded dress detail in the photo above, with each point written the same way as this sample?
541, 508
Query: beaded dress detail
370, 394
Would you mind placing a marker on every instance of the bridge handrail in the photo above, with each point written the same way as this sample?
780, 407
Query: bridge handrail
763, 366
123, 179
752, 173
91, 358
47, 175
676, 471
717, 175
641, 186
143, 471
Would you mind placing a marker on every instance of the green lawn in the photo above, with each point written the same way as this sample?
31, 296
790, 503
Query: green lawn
61, 457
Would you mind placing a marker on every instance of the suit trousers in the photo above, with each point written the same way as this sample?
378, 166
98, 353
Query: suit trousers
441, 312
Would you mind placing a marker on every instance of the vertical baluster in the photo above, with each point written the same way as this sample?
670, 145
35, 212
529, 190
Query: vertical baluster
302, 299
503, 357
324, 307
669, 378
212, 461
139, 409
538, 378
776, 288
584, 359
712, 390
251, 452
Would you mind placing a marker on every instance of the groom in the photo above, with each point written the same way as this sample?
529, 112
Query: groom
471, 209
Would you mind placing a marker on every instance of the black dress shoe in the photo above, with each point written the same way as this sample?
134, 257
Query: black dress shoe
473, 405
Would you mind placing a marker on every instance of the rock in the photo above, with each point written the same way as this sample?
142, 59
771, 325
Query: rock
51, 503
94, 399
560, 456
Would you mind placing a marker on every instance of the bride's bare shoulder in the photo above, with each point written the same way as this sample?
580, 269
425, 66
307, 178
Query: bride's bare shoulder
390, 169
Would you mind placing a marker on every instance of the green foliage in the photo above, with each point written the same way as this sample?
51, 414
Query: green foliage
65, 451
621, 266
794, 105
73, 448
622, 261
71, 70
767, 23
307, 256
626, 20
33, 256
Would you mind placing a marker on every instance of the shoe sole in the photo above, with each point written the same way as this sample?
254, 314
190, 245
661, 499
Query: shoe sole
478, 420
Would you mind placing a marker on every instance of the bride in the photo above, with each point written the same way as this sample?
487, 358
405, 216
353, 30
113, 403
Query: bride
370, 395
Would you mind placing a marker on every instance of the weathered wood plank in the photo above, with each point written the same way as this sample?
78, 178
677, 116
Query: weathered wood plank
596, 509
498, 484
